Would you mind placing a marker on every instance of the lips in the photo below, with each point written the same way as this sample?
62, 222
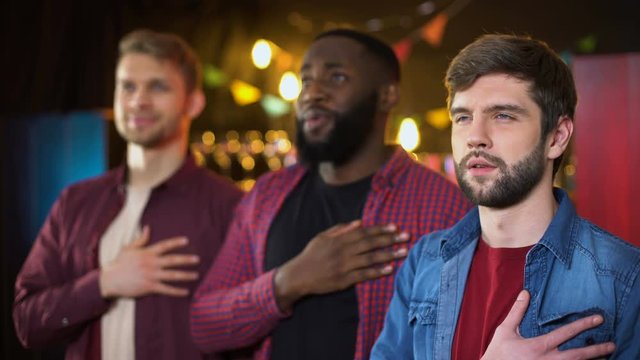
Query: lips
476, 165
140, 121
317, 120
479, 163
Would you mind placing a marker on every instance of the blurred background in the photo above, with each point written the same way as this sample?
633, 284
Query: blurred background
57, 71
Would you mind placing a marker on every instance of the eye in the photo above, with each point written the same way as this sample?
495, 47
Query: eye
158, 86
305, 80
504, 117
461, 119
127, 86
339, 78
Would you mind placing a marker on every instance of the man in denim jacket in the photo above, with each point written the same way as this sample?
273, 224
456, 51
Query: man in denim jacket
512, 101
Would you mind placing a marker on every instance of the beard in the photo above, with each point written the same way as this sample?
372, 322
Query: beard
351, 129
163, 131
512, 185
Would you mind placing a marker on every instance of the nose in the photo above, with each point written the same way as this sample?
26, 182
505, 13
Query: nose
313, 91
478, 135
139, 99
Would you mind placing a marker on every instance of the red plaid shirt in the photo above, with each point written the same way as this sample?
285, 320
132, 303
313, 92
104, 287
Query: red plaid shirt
235, 305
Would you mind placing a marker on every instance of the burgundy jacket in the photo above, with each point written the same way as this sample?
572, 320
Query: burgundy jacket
57, 298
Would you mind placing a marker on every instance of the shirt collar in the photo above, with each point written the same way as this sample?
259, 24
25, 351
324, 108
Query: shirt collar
464, 232
176, 181
561, 235
390, 173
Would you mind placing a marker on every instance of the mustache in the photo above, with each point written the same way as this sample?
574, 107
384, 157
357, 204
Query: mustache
146, 114
316, 110
481, 154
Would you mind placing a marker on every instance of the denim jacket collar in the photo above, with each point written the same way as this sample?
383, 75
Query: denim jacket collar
562, 234
560, 237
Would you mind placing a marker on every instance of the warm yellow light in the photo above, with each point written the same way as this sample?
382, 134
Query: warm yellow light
261, 54
234, 146
282, 134
270, 149
247, 184
247, 163
271, 136
222, 160
243, 93
274, 163
256, 146
439, 118
199, 158
289, 86
283, 146
208, 138
408, 135
232, 135
253, 135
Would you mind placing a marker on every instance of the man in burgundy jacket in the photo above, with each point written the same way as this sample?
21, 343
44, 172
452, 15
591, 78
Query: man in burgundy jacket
119, 256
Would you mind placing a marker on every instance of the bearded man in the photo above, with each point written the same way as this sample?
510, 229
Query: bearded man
575, 288
309, 271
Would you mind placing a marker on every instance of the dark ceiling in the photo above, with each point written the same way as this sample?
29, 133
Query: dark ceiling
58, 55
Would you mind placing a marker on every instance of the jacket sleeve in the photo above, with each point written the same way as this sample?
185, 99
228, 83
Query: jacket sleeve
50, 306
235, 304
396, 339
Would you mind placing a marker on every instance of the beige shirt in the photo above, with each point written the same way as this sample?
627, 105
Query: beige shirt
117, 324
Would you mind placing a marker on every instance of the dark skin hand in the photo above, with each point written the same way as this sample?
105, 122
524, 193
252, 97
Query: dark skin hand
337, 258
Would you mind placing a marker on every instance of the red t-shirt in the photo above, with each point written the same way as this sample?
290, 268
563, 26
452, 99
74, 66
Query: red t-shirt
495, 279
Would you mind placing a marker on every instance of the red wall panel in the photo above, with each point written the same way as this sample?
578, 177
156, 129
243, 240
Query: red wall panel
607, 142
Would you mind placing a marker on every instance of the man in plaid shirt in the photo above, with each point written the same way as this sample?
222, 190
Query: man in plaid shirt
307, 268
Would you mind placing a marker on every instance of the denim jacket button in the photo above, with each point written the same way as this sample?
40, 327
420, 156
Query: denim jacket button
589, 341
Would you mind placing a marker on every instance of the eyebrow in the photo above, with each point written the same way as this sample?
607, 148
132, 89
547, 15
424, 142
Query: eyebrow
155, 79
493, 108
328, 65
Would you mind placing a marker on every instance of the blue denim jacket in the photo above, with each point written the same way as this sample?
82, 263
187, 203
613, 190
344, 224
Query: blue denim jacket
575, 270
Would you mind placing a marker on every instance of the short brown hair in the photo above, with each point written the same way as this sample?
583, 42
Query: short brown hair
165, 46
552, 85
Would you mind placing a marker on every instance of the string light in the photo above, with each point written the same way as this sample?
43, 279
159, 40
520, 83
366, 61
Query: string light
289, 86
232, 135
247, 184
274, 106
247, 163
274, 163
208, 138
283, 146
256, 146
234, 146
261, 54
253, 135
408, 135
271, 136
244, 93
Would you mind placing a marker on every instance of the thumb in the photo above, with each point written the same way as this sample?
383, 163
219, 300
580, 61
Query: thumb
519, 308
143, 239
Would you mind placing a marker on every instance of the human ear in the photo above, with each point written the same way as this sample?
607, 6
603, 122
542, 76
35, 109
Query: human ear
195, 103
388, 96
560, 136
